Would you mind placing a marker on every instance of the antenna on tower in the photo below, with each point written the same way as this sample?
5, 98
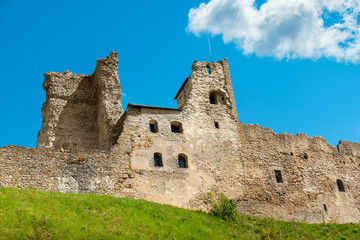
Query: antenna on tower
210, 47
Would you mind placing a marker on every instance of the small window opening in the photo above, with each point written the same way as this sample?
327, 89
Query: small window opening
340, 185
325, 208
176, 127
291, 154
182, 161
217, 125
278, 176
306, 156
153, 126
212, 98
158, 160
217, 98
208, 69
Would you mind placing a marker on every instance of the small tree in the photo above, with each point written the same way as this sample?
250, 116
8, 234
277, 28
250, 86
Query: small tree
223, 207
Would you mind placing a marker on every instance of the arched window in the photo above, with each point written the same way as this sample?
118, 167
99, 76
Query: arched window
183, 163
176, 127
153, 126
217, 98
340, 185
158, 160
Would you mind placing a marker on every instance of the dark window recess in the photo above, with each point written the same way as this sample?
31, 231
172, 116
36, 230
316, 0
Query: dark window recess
216, 124
340, 185
176, 127
217, 98
325, 208
306, 156
153, 126
182, 161
278, 176
212, 99
158, 160
208, 69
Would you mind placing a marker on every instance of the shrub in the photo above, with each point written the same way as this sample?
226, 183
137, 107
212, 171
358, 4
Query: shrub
268, 230
223, 207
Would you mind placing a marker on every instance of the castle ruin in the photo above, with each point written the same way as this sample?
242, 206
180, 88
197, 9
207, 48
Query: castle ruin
88, 144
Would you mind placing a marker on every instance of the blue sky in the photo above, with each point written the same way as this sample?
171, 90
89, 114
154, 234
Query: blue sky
315, 94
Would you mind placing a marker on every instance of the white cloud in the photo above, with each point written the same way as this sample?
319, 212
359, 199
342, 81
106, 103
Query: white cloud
284, 28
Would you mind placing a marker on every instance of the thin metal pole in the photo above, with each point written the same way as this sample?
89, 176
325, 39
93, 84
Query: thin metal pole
210, 48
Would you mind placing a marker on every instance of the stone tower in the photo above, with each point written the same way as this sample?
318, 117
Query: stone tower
209, 83
80, 111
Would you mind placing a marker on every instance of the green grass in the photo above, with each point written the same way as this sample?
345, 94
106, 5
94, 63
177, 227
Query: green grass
30, 214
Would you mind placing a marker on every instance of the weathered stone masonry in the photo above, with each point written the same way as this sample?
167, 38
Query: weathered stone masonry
87, 144
81, 111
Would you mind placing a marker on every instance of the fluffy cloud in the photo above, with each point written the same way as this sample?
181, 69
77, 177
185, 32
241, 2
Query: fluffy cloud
284, 28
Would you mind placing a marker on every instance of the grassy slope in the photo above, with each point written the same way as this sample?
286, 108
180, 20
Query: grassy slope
30, 214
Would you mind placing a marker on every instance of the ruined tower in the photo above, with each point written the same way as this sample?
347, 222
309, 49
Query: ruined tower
80, 111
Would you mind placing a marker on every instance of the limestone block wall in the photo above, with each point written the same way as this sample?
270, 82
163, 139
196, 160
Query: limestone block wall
310, 168
81, 111
75, 171
166, 184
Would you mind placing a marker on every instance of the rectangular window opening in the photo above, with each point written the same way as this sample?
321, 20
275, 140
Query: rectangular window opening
158, 160
217, 125
176, 127
153, 127
278, 176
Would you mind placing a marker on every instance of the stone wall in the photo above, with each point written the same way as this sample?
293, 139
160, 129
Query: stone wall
75, 171
167, 184
310, 168
242, 161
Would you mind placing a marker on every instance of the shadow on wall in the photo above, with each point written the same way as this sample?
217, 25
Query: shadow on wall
77, 125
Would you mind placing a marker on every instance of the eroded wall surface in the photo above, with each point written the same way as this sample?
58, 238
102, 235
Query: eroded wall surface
310, 168
75, 171
81, 111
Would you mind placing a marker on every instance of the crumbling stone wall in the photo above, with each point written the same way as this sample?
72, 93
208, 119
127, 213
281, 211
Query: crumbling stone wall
76, 171
115, 155
310, 168
81, 111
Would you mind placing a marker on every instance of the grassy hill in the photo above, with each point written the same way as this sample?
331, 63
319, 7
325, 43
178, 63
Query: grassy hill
30, 214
